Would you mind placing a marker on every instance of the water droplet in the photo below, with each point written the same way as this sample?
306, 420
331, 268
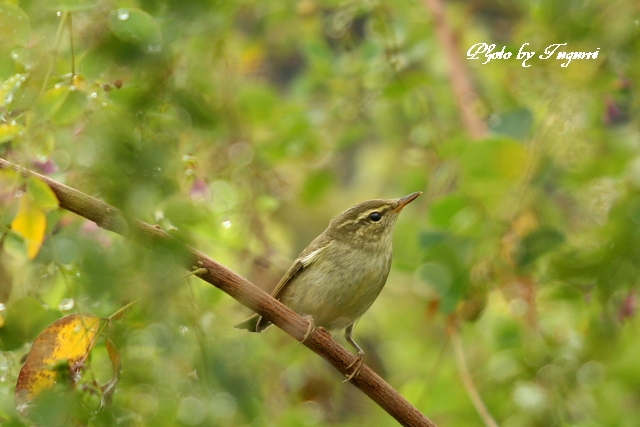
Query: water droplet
59, 13
8, 98
3, 306
13, 123
72, 88
66, 304
227, 223
123, 14
154, 48
93, 95
183, 330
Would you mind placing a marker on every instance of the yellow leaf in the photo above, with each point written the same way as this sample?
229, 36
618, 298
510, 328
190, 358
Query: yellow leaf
8, 131
30, 223
68, 340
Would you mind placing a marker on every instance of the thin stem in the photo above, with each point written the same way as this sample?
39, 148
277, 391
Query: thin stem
63, 20
469, 386
73, 56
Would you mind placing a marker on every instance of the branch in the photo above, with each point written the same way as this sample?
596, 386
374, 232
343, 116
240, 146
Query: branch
461, 83
239, 288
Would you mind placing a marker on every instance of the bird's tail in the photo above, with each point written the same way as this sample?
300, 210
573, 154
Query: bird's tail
254, 323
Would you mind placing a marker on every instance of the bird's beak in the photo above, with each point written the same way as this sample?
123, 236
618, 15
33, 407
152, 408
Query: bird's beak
404, 201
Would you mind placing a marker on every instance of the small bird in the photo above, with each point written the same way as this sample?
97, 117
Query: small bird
334, 281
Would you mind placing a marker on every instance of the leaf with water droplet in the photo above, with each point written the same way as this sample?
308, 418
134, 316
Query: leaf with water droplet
135, 26
9, 87
68, 340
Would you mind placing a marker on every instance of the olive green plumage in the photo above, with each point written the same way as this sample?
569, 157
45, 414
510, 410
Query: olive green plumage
341, 273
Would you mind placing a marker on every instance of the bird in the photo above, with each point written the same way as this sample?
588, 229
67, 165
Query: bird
339, 275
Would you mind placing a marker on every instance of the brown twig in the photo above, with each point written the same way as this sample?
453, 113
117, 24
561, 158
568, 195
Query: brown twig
461, 83
110, 218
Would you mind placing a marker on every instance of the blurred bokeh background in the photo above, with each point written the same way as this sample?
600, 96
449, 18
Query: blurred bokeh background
244, 126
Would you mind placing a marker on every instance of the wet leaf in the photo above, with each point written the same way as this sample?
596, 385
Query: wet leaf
9, 87
135, 26
68, 341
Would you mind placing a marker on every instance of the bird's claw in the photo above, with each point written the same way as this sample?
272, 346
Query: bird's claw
357, 367
310, 328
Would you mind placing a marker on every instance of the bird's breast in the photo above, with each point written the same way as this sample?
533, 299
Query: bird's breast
338, 288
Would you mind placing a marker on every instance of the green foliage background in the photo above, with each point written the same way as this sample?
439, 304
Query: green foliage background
244, 126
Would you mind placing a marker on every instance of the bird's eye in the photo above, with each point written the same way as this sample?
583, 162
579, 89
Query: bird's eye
375, 216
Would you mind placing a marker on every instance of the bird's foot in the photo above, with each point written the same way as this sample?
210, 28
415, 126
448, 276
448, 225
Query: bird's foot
357, 367
310, 328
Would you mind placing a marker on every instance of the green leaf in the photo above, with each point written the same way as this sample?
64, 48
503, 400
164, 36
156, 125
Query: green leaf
444, 209
429, 239
51, 101
41, 194
538, 243
316, 185
491, 167
25, 318
74, 106
15, 28
136, 27
437, 275
515, 124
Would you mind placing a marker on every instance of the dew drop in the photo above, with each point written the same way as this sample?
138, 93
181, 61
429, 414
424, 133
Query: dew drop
59, 13
66, 304
227, 223
123, 14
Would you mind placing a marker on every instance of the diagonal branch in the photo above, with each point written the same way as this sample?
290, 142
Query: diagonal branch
110, 218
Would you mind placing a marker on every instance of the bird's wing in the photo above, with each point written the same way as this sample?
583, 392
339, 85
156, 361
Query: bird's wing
257, 323
306, 258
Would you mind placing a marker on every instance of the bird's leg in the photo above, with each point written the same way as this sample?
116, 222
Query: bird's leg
310, 328
359, 360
